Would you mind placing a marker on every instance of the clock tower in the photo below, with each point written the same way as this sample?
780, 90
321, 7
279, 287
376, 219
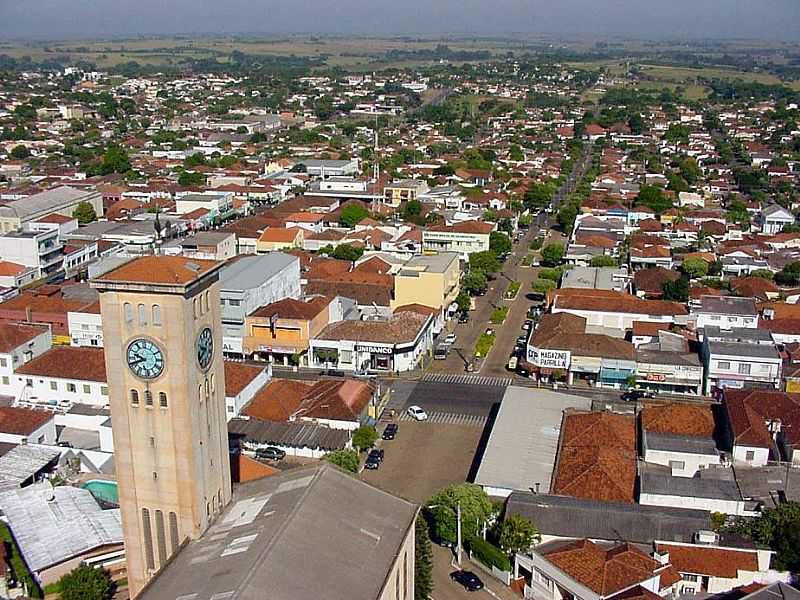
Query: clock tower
166, 382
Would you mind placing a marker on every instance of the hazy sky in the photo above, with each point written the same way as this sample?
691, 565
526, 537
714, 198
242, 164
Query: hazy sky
766, 19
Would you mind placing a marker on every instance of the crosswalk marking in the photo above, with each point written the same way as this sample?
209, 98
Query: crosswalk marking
443, 418
467, 379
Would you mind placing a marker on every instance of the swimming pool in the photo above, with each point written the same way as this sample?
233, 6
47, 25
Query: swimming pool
103, 490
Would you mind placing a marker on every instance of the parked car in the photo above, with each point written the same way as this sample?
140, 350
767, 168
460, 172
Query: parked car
372, 463
512, 363
441, 352
463, 318
390, 431
450, 339
634, 395
270, 453
416, 413
375, 454
470, 581
523, 371
522, 340
489, 331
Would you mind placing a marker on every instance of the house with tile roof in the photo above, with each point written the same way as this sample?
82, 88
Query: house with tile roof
19, 343
591, 570
242, 381
716, 568
614, 310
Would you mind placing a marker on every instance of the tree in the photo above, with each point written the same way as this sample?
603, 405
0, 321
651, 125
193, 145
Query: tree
474, 282
542, 286
476, 508
344, 459
347, 252
653, 198
115, 160
763, 273
604, 261
188, 179
84, 212
566, 217
552, 254
517, 534
677, 290
20, 152
499, 243
423, 561
484, 261
352, 214
789, 275
778, 528
695, 267
538, 195
86, 583
364, 437
463, 302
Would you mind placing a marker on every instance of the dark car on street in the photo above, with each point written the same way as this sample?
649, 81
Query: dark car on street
270, 453
634, 395
390, 432
468, 579
376, 454
372, 462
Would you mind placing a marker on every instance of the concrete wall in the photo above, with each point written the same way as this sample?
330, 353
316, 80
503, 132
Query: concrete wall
730, 507
400, 580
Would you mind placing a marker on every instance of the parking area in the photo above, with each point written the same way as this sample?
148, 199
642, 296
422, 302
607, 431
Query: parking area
425, 457
445, 589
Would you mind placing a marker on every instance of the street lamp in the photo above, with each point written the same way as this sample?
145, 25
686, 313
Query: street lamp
458, 528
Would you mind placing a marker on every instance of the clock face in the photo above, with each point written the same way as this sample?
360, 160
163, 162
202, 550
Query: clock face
205, 348
145, 359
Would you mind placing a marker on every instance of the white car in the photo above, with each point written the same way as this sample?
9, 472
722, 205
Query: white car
415, 412
450, 339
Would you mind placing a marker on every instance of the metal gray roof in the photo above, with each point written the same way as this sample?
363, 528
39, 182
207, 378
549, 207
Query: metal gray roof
728, 305
54, 524
23, 462
297, 434
743, 349
659, 357
49, 200
679, 443
522, 446
707, 484
307, 533
253, 271
564, 516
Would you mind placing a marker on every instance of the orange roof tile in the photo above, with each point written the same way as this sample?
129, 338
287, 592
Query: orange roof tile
711, 561
160, 269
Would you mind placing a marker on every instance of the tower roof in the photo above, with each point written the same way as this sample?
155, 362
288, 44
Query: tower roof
158, 270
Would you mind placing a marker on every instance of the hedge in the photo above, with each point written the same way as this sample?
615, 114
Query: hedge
489, 554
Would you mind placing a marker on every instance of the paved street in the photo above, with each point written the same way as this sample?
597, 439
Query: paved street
445, 589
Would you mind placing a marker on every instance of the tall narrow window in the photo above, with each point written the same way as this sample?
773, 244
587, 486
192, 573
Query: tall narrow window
148, 398
162, 399
213, 387
161, 538
134, 398
142, 314
200, 392
173, 532
156, 315
194, 307
148, 540
128, 309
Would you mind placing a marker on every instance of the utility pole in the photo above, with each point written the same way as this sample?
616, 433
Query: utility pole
458, 534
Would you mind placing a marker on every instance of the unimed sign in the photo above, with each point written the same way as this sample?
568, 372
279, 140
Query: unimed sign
551, 359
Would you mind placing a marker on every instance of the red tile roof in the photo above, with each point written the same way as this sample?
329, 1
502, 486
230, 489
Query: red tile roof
14, 335
68, 362
749, 410
22, 421
160, 269
603, 570
679, 419
711, 561
613, 302
238, 376
597, 457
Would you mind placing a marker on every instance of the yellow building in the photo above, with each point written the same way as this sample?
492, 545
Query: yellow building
405, 190
278, 238
284, 328
430, 280
166, 383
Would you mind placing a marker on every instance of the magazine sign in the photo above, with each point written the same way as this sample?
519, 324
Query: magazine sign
549, 359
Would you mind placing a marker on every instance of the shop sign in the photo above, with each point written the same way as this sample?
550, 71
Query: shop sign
550, 359
374, 349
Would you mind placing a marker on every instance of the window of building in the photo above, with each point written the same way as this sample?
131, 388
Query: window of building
200, 392
5, 380
155, 474
206, 302
148, 398
142, 314
29, 382
161, 537
213, 387
750, 455
71, 387
714, 317
724, 365
162, 399
744, 369
156, 315
135, 397
3, 362
87, 389
677, 465
173, 532
230, 408
234, 302
54, 385
128, 309
148, 540
689, 577
104, 390
346, 356
194, 308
